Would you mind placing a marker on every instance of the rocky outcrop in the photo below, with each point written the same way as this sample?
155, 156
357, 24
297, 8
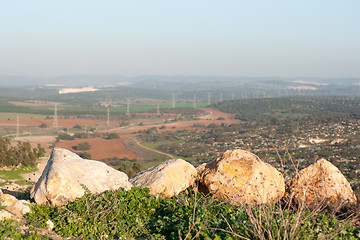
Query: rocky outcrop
13, 208
169, 178
240, 177
321, 185
66, 173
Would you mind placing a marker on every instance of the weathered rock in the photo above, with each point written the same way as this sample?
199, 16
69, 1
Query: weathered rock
169, 178
19, 208
7, 200
240, 177
320, 185
14, 206
5, 215
66, 173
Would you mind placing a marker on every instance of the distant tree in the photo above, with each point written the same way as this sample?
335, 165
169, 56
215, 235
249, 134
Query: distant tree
43, 125
77, 126
130, 168
65, 136
84, 155
113, 136
82, 146
81, 135
22, 153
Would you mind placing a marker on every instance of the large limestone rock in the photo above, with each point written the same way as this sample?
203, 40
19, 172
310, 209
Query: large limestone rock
169, 178
320, 185
240, 177
65, 173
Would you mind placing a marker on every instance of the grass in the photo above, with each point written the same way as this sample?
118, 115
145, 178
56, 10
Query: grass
191, 215
146, 157
155, 146
14, 175
13, 116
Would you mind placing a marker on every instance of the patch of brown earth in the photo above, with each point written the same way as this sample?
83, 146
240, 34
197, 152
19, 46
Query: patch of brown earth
102, 148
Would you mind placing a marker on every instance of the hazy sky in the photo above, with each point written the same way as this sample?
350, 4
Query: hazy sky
317, 38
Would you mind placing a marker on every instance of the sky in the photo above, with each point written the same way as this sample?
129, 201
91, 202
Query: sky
257, 38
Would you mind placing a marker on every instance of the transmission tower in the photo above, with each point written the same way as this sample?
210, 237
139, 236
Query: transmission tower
194, 101
17, 126
232, 96
173, 100
209, 100
221, 97
128, 108
55, 124
158, 110
108, 117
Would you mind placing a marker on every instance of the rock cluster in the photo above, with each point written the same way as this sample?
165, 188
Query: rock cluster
13, 208
238, 176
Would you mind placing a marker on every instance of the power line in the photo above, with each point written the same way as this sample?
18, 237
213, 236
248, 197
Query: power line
17, 126
194, 101
108, 117
55, 124
128, 108
173, 100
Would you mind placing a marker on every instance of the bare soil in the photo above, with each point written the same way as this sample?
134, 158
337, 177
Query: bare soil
102, 148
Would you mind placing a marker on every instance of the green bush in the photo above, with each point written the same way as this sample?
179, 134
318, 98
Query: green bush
135, 213
77, 126
83, 146
84, 155
113, 136
22, 153
65, 136
10, 229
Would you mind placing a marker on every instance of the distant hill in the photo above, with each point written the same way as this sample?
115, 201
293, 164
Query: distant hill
253, 87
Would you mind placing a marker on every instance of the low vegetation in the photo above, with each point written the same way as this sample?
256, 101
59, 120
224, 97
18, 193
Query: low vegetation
191, 215
83, 146
128, 166
21, 154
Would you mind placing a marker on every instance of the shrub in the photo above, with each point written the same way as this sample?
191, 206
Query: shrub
22, 153
84, 155
65, 136
130, 168
113, 136
43, 125
82, 146
81, 135
77, 126
135, 213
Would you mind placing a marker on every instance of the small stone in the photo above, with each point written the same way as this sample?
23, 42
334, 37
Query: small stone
5, 215
50, 225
